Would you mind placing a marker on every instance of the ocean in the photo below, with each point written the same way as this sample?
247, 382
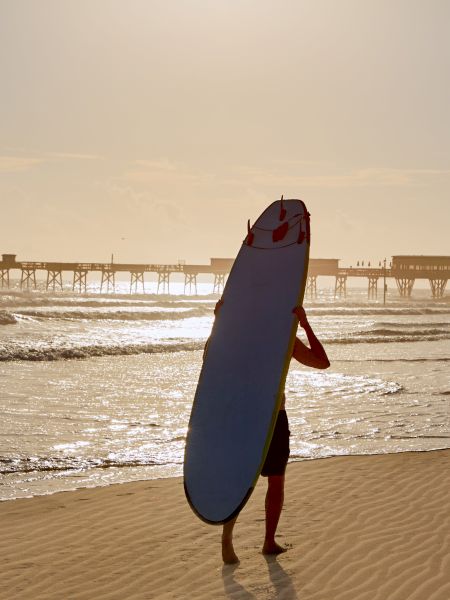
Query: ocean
97, 388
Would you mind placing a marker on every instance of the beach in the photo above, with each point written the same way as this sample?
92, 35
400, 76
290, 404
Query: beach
149, 150
96, 392
356, 527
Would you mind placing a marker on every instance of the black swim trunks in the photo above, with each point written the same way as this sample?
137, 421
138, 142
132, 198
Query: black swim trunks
278, 454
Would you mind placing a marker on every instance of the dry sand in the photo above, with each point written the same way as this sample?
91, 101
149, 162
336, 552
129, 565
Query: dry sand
368, 527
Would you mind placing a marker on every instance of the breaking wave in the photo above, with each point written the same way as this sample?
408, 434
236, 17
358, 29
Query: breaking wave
7, 318
66, 463
116, 315
390, 336
358, 310
101, 302
49, 353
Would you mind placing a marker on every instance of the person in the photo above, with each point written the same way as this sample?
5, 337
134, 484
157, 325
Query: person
278, 454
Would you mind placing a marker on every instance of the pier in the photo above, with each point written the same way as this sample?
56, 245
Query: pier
403, 269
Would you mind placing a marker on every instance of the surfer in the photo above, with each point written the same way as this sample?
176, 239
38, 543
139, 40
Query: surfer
277, 457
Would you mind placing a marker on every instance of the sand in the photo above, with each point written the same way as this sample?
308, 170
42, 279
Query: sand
364, 527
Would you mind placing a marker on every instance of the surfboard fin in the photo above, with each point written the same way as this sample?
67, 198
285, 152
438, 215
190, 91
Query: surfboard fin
282, 210
308, 227
250, 235
304, 234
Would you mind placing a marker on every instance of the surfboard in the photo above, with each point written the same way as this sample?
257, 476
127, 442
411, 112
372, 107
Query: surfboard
245, 364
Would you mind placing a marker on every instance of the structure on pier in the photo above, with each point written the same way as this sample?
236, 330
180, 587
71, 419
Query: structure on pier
406, 269
320, 267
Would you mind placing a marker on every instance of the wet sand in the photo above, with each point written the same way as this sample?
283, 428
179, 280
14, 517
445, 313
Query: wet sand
358, 528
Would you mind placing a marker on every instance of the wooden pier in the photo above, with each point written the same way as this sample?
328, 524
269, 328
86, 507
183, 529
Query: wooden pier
218, 267
404, 269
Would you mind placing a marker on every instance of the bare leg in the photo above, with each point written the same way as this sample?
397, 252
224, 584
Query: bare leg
228, 554
274, 505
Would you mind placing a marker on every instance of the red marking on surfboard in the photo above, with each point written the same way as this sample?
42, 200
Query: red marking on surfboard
280, 232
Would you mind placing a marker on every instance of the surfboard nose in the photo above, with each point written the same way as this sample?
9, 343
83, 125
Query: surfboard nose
269, 234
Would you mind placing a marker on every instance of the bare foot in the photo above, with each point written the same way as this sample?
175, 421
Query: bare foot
229, 556
273, 548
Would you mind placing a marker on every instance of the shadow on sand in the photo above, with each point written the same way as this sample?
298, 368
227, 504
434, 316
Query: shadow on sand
283, 586
232, 588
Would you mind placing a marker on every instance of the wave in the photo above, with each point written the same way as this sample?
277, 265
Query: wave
104, 303
66, 463
48, 298
373, 311
418, 436
116, 315
395, 388
399, 332
414, 324
163, 311
369, 338
208, 306
46, 352
393, 333
64, 353
392, 360
324, 306
7, 318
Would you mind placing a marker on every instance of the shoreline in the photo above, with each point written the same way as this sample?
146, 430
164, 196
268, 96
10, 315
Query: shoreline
172, 477
358, 527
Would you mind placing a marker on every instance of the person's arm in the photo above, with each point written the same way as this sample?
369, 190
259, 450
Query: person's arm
315, 356
216, 311
205, 349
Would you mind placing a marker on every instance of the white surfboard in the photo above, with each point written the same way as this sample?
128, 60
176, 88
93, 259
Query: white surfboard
246, 362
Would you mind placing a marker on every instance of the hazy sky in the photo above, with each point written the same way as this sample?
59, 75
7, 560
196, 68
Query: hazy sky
155, 129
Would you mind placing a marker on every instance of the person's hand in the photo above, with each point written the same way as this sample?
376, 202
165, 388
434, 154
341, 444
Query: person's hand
218, 306
299, 312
